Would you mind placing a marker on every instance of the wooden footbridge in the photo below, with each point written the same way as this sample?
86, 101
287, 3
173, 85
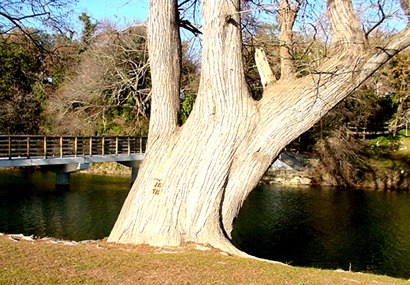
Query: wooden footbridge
373, 130
66, 154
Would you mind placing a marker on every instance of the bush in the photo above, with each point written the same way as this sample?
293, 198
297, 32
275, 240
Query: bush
384, 144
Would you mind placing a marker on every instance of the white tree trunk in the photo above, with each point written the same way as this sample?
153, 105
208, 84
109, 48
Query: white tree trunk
195, 178
179, 190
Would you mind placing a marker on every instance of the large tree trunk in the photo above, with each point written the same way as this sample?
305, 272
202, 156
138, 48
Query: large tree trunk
195, 178
179, 190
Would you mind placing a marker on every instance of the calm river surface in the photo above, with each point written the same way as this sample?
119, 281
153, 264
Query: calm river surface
319, 227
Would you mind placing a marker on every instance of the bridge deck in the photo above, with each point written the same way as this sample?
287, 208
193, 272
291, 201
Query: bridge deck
18, 151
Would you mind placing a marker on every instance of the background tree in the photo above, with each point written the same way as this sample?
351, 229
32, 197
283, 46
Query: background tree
195, 177
20, 99
30, 60
109, 91
189, 81
88, 32
21, 15
398, 74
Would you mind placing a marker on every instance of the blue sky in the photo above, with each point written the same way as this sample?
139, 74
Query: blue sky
118, 11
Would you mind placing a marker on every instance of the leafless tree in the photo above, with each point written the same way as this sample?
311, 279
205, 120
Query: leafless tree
196, 176
38, 14
112, 76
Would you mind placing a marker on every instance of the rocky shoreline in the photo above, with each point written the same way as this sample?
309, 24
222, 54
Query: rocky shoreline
21, 237
297, 170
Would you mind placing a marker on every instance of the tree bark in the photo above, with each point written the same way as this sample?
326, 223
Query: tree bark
288, 10
178, 193
195, 178
163, 35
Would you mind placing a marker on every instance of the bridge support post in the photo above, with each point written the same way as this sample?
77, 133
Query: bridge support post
134, 165
63, 171
62, 178
134, 173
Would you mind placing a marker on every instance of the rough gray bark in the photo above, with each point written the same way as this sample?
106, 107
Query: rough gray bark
286, 18
195, 178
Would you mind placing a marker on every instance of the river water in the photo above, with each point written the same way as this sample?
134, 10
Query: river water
31, 204
317, 227
363, 231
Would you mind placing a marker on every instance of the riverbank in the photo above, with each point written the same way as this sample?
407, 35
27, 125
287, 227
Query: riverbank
98, 262
108, 168
389, 177
388, 172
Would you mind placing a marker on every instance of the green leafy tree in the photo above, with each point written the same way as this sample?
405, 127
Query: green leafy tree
20, 68
28, 76
88, 32
30, 59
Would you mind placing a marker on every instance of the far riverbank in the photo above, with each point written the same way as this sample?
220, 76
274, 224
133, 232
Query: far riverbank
312, 173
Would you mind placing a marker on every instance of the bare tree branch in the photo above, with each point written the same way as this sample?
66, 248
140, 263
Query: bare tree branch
40, 14
112, 76
380, 21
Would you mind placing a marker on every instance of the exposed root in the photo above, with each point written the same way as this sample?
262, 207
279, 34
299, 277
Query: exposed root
226, 246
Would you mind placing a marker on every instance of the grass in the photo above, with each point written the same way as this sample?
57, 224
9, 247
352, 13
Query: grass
405, 147
39, 262
393, 159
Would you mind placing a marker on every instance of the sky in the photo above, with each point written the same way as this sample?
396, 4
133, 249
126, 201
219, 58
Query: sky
121, 12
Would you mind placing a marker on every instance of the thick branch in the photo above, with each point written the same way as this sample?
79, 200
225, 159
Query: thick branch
287, 16
164, 48
287, 110
406, 8
222, 83
345, 27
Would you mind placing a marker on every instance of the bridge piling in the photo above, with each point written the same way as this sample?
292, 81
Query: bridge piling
134, 165
63, 171
62, 178
134, 173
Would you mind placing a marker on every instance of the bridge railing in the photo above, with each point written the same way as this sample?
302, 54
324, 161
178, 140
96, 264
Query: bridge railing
363, 131
12, 147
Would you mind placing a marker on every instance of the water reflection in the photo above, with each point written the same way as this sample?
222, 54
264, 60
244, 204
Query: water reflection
87, 209
328, 228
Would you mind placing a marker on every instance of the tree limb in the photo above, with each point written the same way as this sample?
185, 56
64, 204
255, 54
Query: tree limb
287, 16
16, 23
381, 20
406, 8
164, 47
264, 69
345, 27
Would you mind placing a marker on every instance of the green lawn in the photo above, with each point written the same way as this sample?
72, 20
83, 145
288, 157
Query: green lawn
38, 262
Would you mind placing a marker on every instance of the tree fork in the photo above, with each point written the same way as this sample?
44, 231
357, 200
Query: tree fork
195, 178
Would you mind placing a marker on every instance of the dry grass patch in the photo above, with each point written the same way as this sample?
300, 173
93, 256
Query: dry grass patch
39, 262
